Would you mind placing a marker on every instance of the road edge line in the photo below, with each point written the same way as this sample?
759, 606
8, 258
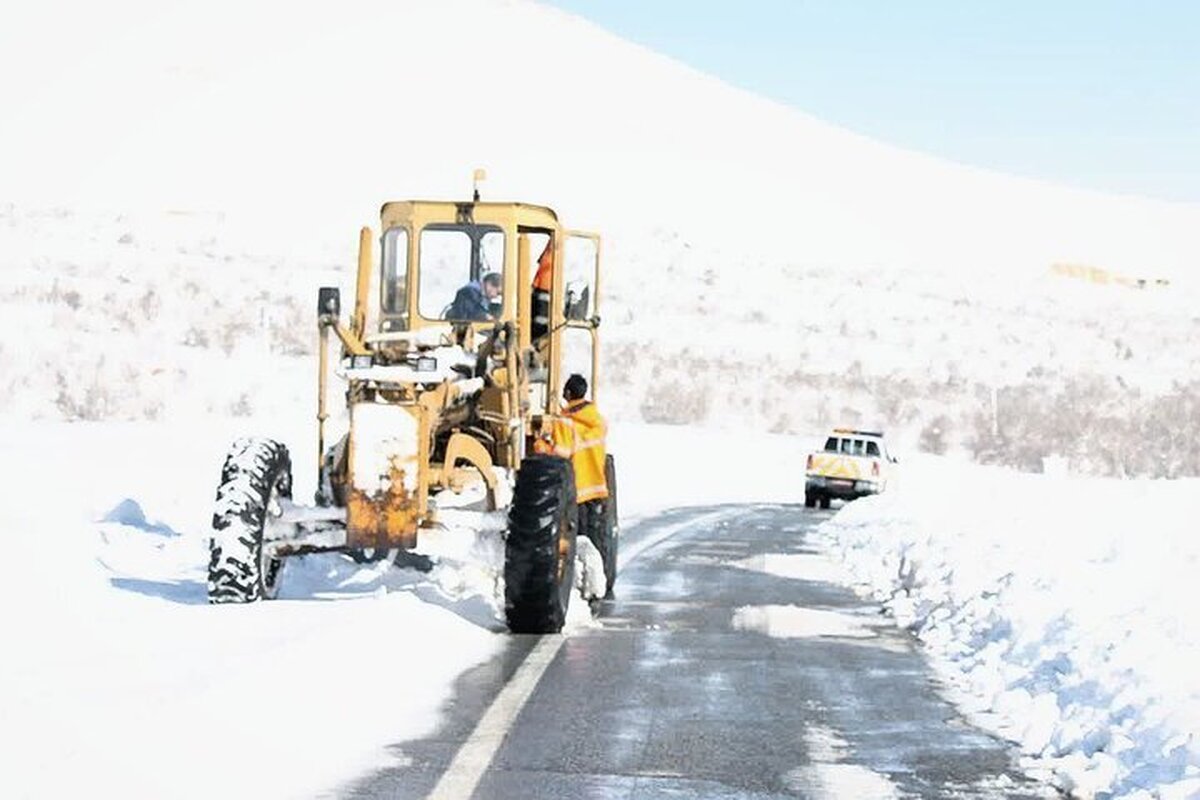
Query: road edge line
466, 769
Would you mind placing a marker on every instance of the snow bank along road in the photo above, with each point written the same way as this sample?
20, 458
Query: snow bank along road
731, 665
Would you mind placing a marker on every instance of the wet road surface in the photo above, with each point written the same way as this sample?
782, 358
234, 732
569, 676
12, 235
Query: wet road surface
729, 667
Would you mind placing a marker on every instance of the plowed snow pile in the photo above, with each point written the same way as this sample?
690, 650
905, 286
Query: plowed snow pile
1061, 611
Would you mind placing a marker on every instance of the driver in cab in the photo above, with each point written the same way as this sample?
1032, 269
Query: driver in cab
475, 301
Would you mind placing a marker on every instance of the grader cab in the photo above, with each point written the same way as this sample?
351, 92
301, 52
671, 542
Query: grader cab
452, 372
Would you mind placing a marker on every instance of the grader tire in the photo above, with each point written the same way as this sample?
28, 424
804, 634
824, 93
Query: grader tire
539, 553
598, 521
612, 526
256, 475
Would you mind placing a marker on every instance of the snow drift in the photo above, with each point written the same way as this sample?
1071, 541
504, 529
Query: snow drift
1060, 611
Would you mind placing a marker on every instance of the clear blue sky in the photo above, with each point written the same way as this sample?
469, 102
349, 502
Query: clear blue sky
1100, 94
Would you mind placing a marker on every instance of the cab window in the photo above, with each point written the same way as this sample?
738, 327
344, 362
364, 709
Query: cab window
873, 449
831, 444
579, 275
462, 268
393, 286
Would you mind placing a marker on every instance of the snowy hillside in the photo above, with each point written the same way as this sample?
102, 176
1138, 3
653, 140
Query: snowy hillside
174, 195
171, 315
308, 116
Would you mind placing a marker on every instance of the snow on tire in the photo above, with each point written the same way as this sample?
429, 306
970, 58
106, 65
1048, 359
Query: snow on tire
539, 552
257, 474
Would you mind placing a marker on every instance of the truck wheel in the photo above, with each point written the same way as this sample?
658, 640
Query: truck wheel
257, 475
825, 500
539, 553
810, 500
599, 522
612, 526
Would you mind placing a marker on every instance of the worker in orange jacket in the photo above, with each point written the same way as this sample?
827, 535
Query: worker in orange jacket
541, 292
579, 434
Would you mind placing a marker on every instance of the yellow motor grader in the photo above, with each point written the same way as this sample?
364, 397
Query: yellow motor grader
450, 378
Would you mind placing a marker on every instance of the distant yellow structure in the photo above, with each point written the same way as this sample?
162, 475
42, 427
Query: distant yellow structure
1105, 277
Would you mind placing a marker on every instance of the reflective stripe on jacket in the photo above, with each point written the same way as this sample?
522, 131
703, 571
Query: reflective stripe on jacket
541, 293
589, 432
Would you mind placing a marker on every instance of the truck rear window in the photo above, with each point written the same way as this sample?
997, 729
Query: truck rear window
852, 447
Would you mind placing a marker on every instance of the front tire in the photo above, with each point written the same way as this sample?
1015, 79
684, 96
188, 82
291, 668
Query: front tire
256, 476
539, 552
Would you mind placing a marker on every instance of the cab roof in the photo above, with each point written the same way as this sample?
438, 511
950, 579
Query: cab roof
853, 432
402, 207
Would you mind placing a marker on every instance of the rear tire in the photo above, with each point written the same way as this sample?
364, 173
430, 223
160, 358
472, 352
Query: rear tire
256, 476
539, 553
825, 500
612, 525
599, 522
810, 500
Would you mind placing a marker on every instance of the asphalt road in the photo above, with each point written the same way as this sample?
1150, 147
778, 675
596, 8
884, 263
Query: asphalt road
693, 686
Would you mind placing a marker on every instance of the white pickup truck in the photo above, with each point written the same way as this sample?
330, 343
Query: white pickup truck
853, 464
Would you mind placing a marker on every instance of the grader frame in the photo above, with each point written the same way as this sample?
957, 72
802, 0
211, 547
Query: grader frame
457, 428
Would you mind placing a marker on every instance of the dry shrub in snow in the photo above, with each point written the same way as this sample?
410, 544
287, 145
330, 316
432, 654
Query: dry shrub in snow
935, 435
177, 316
1101, 426
675, 402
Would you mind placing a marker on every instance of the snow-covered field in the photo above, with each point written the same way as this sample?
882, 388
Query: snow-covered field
1061, 610
141, 317
1058, 610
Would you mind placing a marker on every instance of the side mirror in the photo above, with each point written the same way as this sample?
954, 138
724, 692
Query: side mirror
329, 303
577, 302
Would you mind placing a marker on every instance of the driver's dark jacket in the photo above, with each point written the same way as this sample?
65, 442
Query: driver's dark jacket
469, 303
